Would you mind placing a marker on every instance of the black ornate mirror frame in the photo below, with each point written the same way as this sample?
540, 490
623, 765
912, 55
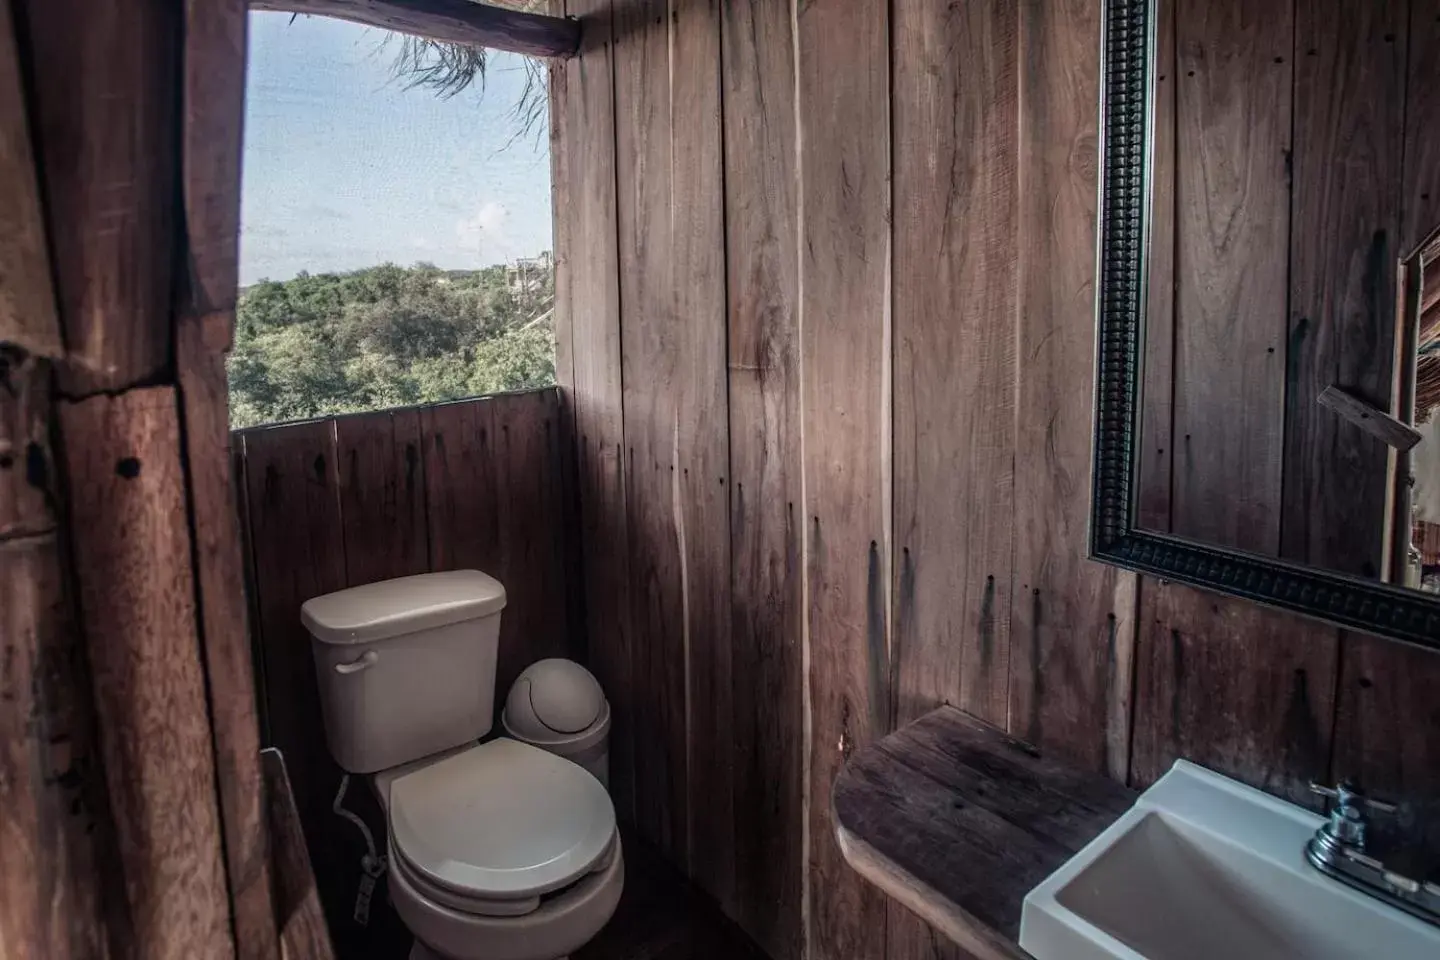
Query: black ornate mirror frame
1372, 607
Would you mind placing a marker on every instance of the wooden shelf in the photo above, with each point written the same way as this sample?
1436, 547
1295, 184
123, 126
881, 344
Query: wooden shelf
957, 821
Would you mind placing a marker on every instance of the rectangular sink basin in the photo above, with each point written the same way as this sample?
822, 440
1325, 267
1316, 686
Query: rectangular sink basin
1204, 867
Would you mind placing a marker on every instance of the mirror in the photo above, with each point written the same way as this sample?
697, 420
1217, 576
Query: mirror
1268, 364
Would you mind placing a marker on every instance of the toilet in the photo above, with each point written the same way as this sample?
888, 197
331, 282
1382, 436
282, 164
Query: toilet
497, 850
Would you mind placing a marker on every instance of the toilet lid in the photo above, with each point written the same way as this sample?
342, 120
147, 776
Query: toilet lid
501, 819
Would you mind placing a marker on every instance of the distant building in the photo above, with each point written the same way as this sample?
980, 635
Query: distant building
527, 274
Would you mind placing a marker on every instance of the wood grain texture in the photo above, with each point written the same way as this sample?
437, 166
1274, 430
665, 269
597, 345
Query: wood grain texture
103, 106
1348, 151
529, 503
1072, 621
132, 555
61, 895
1385, 724
956, 90
843, 97
959, 820
1232, 133
303, 934
27, 471
297, 543
1155, 451
450, 21
212, 118
588, 305
761, 197
28, 318
1388, 430
1245, 691
382, 495
1420, 213
673, 338
201, 343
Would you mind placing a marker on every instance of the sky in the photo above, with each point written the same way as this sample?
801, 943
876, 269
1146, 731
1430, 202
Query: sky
345, 168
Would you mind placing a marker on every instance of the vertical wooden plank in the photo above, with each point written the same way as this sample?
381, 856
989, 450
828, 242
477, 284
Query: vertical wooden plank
673, 344
1246, 691
758, 77
460, 486
1232, 113
103, 118
1349, 146
137, 600
211, 133
955, 299
845, 342
528, 503
382, 495
1420, 213
1072, 621
60, 894
27, 473
590, 267
297, 544
301, 921
1387, 715
27, 300
201, 342
1156, 451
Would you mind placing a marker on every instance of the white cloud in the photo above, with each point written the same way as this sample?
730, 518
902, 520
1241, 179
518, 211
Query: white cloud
487, 233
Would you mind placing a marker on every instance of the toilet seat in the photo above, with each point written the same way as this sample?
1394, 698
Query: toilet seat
491, 829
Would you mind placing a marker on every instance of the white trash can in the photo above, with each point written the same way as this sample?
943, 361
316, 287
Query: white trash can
557, 705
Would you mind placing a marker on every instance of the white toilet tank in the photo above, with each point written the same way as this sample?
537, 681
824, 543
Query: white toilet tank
406, 666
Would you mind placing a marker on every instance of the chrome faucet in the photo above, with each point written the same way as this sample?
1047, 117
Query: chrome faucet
1339, 849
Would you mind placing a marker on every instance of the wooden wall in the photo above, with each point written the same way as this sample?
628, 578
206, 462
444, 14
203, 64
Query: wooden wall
332, 503
1286, 200
826, 313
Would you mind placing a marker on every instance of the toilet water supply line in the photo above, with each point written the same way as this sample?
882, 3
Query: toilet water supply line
372, 864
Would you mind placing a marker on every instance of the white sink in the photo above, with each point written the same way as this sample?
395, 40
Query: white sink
1203, 867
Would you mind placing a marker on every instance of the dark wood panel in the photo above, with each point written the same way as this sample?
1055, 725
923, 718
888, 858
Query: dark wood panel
1349, 146
62, 888
1385, 732
845, 342
460, 487
132, 557
588, 306
1155, 452
382, 495
297, 543
1072, 621
1232, 133
762, 266
531, 511
201, 343
1421, 189
297, 907
959, 821
103, 109
27, 472
1245, 691
27, 298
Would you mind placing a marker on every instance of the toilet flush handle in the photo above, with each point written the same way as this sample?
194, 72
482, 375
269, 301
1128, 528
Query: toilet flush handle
355, 666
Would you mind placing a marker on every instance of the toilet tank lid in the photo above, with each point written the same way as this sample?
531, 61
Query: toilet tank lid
377, 611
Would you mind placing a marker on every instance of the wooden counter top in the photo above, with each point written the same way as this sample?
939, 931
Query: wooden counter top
958, 821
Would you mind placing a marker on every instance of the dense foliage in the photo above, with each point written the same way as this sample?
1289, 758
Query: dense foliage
387, 336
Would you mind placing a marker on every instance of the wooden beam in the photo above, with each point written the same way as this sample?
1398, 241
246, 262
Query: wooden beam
453, 21
303, 934
1370, 418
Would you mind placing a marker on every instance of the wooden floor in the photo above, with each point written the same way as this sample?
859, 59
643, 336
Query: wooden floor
661, 917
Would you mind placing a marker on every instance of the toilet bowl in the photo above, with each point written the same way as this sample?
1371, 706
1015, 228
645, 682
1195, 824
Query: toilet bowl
497, 850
